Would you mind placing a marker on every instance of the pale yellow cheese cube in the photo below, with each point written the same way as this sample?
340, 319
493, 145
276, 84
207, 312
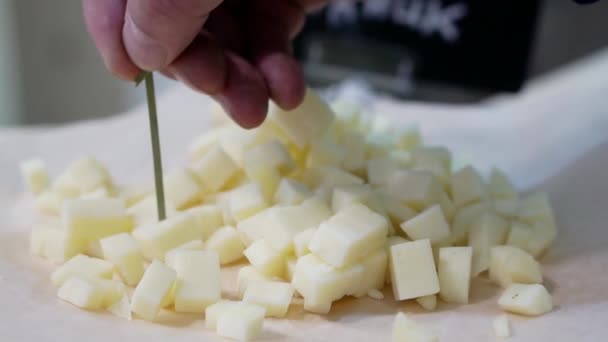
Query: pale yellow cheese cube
290, 268
344, 196
145, 211
35, 174
320, 283
89, 174
286, 222
417, 189
436, 167
214, 169
467, 186
266, 177
132, 194
291, 192
254, 227
272, 153
203, 143
301, 241
527, 238
427, 302
208, 217
354, 158
306, 122
510, 264
275, 296
375, 266
122, 250
396, 211
423, 154
523, 299
82, 293
181, 189
447, 206
214, 311
265, 259
198, 280
329, 176
429, 224
49, 202
242, 323
194, 245
406, 330
390, 241
500, 186
506, 207
501, 326
82, 265
454, 273
43, 238
93, 249
227, 243
65, 186
380, 170
489, 230
245, 201
121, 308
464, 219
325, 151
348, 236
155, 285
156, 239
247, 275
102, 192
413, 271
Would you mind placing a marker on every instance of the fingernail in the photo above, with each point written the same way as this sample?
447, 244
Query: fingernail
145, 51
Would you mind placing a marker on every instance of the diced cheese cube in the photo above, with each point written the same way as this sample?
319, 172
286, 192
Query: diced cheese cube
65, 186
290, 268
49, 202
198, 280
181, 189
501, 326
529, 300
93, 249
349, 235
35, 175
89, 174
380, 170
81, 293
245, 201
454, 273
214, 311
447, 207
87, 220
146, 211
427, 302
132, 194
47, 240
320, 283
429, 224
464, 219
158, 238
97, 193
121, 308
406, 330
265, 259
510, 264
202, 144
242, 323
390, 241
291, 192
214, 169
413, 272
527, 238
247, 275
507, 207
354, 158
272, 153
325, 151
122, 250
194, 245
112, 290
344, 196
155, 285
422, 154
208, 217
467, 186
306, 122
536, 208
397, 211
375, 266
273, 295
266, 177
418, 189
500, 186
286, 222
301, 241
227, 243
253, 228
82, 265
329, 176
489, 230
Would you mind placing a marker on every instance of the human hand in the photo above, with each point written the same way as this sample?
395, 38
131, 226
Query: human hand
237, 51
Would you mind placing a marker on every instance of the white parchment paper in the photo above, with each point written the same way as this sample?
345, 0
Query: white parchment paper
553, 136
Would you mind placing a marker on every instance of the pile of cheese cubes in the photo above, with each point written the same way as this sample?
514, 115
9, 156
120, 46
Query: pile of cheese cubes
314, 204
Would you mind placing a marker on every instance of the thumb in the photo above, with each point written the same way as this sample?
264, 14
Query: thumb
155, 32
